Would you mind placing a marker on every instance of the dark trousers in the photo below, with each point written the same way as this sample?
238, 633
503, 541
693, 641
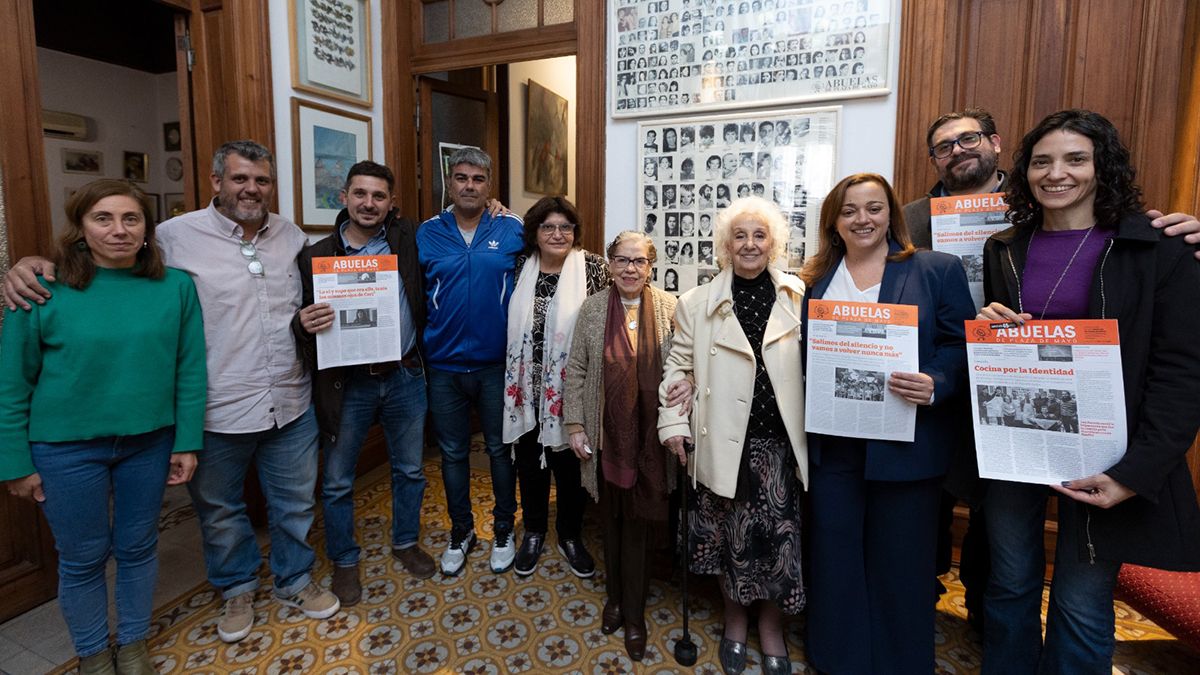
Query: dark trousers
973, 564
534, 481
873, 551
626, 547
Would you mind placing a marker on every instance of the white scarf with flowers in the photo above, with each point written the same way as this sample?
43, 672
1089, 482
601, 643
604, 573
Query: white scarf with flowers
521, 412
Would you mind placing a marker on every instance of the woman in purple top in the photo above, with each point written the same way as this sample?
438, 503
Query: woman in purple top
1080, 247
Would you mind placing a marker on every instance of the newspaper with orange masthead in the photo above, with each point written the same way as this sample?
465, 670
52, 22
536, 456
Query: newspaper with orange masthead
960, 225
852, 347
364, 292
1048, 399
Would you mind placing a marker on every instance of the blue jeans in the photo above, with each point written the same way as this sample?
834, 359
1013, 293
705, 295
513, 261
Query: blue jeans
396, 401
286, 461
1079, 620
451, 396
78, 478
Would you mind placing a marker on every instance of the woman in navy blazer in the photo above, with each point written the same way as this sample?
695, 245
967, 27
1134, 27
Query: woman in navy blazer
874, 503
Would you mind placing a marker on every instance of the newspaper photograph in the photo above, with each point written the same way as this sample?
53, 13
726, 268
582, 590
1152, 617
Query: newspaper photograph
960, 225
364, 292
1048, 399
852, 348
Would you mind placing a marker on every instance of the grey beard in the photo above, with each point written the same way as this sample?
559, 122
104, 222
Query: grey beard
985, 169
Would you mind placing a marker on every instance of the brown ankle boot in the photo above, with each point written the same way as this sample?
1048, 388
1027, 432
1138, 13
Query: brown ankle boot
134, 659
97, 664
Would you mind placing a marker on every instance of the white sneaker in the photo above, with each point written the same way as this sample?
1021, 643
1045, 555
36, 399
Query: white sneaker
455, 555
503, 551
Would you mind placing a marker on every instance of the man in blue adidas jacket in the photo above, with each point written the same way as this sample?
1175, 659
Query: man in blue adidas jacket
468, 258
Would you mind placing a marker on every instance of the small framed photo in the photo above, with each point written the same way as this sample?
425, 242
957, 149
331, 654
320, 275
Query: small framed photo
75, 160
137, 166
173, 205
155, 214
326, 142
331, 48
172, 141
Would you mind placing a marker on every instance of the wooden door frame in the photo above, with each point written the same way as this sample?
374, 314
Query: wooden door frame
403, 59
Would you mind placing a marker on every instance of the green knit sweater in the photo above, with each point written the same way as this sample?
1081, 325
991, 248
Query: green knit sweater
123, 356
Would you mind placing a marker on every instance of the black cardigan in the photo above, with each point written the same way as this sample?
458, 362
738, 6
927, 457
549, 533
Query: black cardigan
1150, 284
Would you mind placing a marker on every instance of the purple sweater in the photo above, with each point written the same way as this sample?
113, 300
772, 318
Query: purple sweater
1049, 253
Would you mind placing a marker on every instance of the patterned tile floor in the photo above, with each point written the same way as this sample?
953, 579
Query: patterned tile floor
479, 622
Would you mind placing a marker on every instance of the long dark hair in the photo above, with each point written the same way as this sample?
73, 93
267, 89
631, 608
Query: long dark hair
1116, 193
72, 257
830, 249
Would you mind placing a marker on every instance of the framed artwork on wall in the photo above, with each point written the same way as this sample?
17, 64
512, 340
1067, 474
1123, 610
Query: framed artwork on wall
326, 142
89, 162
173, 205
666, 57
172, 140
331, 48
155, 207
137, 166
691, 168
545, 141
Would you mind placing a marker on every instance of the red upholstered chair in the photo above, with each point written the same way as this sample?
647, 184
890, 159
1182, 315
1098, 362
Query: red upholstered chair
1169, 599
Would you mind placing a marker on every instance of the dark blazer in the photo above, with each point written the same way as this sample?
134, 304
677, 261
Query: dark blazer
329, 384
1150, 284
936, 283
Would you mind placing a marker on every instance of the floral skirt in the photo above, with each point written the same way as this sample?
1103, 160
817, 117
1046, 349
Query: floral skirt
754, 544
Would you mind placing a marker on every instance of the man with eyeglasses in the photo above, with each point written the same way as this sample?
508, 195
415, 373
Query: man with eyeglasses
350, 399
243, 261
468, 257
964, 149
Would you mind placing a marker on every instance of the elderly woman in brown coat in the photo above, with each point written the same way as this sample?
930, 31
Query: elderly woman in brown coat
611, 412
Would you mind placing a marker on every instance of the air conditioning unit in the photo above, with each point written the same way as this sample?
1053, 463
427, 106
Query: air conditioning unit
57, 124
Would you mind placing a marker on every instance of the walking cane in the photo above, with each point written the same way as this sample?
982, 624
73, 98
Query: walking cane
685, 649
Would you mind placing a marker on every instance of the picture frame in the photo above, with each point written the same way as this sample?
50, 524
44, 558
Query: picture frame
136, 167
82, 161
155, 207
689, 168
172, 138
665, 59
174, 204
546, 142
326, 142
333, 60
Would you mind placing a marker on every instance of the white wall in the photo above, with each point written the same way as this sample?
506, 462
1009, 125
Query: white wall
868, 139
128, 108
557, 75
281, 84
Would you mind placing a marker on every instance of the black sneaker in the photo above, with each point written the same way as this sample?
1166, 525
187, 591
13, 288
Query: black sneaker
529, 553
577, 557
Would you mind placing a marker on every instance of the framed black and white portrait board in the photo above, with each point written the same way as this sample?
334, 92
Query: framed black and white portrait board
691, 168
671, 56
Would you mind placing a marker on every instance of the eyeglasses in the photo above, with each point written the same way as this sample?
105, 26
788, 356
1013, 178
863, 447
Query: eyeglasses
621, 262
250, 253
966, 141
565, 228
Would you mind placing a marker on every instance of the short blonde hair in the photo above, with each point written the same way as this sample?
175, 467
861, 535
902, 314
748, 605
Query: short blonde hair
756, 208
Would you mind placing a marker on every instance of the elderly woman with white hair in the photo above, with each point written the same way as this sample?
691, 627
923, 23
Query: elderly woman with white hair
739, 336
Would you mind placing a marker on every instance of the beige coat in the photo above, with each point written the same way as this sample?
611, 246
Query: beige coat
709, 344
584, 384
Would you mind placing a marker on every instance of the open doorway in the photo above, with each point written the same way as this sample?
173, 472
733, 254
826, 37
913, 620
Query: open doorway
110, 100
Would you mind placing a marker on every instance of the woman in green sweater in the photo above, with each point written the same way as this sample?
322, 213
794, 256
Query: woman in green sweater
102, 393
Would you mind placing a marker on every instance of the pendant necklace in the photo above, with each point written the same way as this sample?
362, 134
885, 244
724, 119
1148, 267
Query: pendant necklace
631, 314
1061, 276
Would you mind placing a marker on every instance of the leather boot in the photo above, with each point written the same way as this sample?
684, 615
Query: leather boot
97, 664
134, 659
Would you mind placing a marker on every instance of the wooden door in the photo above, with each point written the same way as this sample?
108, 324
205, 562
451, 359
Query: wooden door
458, 115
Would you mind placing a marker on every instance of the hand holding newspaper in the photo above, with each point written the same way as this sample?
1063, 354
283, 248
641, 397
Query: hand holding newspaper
852, 348
364, 292
1048, 399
